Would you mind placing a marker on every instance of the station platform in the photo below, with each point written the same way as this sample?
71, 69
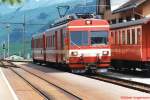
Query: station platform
6, 92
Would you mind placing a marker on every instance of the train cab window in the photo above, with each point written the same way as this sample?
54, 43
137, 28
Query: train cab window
99, 37
79, 38
128, 37
133, 36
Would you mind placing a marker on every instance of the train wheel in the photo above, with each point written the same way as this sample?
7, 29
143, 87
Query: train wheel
78, 71
34, 61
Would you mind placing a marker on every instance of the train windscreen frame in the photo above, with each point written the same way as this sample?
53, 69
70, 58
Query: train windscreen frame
99, 38
85, 38
79, 38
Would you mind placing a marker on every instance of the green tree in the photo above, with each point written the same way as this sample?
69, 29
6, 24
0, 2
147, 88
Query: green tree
12, 2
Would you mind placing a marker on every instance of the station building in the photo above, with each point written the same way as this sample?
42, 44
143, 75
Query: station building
131, 10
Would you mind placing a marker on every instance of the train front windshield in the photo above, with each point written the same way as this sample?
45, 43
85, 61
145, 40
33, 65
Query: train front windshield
99, 38
85, 38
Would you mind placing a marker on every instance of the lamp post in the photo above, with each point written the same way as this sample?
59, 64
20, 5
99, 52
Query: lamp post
4, 50
24, 32
8, 38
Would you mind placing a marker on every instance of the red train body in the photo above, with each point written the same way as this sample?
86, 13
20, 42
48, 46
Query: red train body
131, 45
79, 44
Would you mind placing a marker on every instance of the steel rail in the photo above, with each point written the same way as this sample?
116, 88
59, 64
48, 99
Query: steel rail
60, 88
123, 82
30, 84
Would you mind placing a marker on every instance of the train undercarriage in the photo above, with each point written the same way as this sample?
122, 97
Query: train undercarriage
123, 65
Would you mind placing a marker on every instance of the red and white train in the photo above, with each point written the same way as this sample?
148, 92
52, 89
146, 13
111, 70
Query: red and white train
131, 45
80, 44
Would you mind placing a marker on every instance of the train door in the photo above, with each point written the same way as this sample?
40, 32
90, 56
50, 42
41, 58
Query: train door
56, 45
59, 45
44, 47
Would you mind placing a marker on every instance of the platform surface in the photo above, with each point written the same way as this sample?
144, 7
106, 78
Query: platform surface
6, 92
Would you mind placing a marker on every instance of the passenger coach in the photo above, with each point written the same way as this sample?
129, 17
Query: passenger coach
131, 45
80, 44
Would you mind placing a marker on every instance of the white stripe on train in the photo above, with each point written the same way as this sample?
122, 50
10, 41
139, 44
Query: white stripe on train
85, 52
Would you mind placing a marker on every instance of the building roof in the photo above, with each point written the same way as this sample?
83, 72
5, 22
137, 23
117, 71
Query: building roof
131, 23
129, 5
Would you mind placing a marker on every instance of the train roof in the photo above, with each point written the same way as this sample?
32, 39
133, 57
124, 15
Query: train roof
129, 5
131, 23
37, 35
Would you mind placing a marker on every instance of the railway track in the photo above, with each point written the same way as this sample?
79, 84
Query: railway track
123, 82
44, 93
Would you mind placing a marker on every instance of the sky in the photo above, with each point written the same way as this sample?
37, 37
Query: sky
28, 4
116, 3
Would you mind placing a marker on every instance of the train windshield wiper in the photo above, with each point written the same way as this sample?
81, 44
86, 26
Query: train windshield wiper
75, 44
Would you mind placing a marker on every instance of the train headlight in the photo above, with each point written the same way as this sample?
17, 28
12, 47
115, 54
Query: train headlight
105, 52
74, 53
88, 22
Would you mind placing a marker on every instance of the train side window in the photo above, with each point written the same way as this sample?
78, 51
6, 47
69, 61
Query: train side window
49, 39
139, 36
112, 37
53, 40
119, 37
123, 37
36, 43
39, 43
128, 37
116, 39
40, 40
62, 38
133, 36
136, 37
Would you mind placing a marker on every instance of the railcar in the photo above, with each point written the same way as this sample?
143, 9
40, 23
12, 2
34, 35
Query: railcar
131, 45
80, 44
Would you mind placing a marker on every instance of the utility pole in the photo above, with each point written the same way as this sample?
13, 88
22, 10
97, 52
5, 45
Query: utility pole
4, 48
24, 31
8, 38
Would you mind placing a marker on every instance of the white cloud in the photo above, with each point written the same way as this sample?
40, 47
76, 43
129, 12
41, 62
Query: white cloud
117, 3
